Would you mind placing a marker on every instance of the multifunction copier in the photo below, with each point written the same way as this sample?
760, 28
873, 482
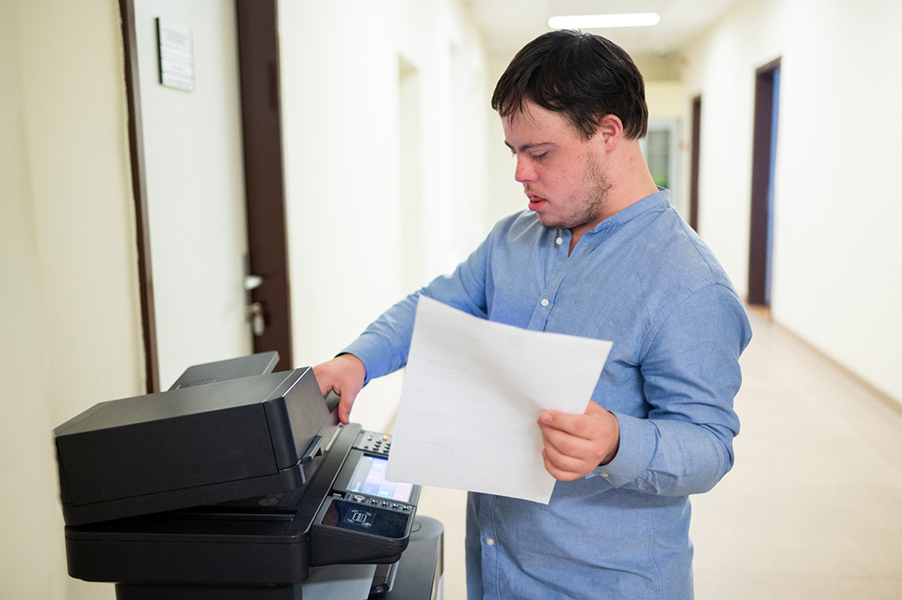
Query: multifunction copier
238, 483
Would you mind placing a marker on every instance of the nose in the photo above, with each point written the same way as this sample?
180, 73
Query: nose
525, 173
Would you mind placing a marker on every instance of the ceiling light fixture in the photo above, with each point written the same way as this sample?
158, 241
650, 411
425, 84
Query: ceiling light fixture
604, 21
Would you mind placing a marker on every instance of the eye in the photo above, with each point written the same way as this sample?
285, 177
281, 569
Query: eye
540, 157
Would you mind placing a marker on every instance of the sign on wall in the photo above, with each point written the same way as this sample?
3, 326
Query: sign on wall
176, 52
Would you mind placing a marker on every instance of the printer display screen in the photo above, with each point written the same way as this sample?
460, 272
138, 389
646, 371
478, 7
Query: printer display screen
367, 519
369, 479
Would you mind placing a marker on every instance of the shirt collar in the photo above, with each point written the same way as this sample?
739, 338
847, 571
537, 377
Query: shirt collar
655, 202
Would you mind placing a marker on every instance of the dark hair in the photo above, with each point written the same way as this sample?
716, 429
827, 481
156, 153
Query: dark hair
582, 76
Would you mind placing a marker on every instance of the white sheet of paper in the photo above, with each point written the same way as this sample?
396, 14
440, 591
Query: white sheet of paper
472, 396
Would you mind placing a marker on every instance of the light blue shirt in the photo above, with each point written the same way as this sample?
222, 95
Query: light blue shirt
644, 280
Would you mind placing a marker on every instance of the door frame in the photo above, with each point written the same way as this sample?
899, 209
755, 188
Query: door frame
139, 192
264, 178
760, 230
695, 161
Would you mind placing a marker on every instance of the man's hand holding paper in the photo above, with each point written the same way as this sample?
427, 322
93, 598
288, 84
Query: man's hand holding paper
576, 444
473, 394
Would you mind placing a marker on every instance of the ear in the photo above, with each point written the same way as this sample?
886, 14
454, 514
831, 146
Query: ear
610, 131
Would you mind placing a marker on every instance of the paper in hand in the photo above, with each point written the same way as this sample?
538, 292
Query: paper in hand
472, 396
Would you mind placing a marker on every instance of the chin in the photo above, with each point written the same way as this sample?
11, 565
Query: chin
550, 223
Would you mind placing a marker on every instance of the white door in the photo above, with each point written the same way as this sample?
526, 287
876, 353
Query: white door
195, 187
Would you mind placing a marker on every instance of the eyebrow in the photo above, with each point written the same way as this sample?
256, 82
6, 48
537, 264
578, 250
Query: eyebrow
526, 147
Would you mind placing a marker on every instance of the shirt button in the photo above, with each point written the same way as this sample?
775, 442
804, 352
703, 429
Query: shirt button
544, 302
559, 241
604, 474
490, 542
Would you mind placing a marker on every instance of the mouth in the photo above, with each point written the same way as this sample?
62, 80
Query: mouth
536, 202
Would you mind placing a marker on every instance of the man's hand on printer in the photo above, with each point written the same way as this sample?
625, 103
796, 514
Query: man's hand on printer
343, 375
575, 445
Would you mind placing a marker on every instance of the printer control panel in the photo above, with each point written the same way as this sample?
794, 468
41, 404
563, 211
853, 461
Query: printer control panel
366, 484
374, 443
377, 502
366, 516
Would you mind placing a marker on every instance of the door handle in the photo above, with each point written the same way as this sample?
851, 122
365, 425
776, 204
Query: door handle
254, 312
252, 282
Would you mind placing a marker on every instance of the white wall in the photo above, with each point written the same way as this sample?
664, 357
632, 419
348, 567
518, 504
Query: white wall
342, 94
195, 189
837, 272
71, 334
505, 195
70, 328
32, 564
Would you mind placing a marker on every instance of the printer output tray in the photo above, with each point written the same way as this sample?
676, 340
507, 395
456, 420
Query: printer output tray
230, 542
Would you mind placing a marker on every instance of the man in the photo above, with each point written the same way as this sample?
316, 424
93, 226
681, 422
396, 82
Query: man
600, 253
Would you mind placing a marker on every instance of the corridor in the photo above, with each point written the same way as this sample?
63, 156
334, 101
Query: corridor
813, 507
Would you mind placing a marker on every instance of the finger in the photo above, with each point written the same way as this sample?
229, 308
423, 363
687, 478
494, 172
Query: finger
566, 457
576, 425
343, 375
562, 470
571, 454
344, 406
319, 374
563, 443
593, 437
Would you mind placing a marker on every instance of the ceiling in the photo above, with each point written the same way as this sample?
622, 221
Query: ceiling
507, 25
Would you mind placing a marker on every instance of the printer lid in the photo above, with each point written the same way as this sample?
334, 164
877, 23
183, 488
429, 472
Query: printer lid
189, 446
223, 370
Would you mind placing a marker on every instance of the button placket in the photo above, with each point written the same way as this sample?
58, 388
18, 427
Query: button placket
542, 310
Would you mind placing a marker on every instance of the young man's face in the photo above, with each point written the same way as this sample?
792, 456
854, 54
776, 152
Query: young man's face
562, 174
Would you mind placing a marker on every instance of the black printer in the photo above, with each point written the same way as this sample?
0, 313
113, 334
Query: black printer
235, 483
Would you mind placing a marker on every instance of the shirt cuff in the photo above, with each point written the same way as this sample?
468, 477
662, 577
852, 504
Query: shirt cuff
638, 441
372, 353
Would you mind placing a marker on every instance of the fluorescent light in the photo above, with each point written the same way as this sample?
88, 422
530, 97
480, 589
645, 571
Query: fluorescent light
603, 21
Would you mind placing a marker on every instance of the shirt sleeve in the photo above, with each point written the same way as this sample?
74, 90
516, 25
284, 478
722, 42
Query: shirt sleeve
384, 345
691, 375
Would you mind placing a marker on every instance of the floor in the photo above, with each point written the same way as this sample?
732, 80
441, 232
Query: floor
813, 507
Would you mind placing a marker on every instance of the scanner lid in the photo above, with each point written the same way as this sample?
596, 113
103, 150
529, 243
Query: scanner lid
194, 445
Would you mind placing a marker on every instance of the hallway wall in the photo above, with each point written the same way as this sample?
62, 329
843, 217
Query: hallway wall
70, 327
362, 232
837, 271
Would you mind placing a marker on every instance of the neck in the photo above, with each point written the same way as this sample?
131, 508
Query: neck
630, 181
